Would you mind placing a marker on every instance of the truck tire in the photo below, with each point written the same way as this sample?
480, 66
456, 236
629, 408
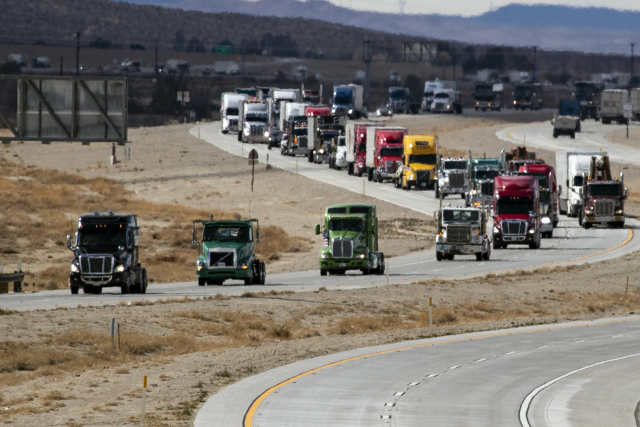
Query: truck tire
310, 158
144, 283
579, 214
573, 135
479, 256
323, 272
437, 190
555, 133
263, 273
586, 225
487, 255
439, 256
74, 290
370, 175
202, 282
249, 280
451, 257
350, 169
239, 136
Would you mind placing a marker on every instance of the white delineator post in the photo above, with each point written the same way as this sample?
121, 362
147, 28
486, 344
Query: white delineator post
430, 317
144, 399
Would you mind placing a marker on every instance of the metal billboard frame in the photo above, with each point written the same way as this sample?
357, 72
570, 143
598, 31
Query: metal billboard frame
110, 132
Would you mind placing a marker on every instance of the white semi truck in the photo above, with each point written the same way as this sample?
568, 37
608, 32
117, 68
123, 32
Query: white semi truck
253, 125
571, 167
612, 103
452, 177
230, 110
462, 231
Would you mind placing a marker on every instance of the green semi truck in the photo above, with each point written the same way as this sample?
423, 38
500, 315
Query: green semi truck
350, 240
228, 252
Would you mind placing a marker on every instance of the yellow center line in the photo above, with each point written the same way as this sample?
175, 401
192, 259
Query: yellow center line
248, 417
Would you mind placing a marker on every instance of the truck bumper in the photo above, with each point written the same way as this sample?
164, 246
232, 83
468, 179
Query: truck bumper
256, 139
344, 264
474, 200
448, 190
299, 151
604, 219
420, 184
444, 248
223, 273
500, 239
104, 280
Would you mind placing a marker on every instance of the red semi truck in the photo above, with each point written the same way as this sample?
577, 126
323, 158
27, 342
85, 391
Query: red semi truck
516, 207
546, 175
356, 134
386, 153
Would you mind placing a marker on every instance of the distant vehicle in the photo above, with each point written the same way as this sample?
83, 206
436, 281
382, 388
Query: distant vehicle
130, 66
312, 96
226, 67
399, 100
106, 254
612, 104
385, 154
572, 167
177, 66
384, 111
567, 119
41, 62
19, 58
358, 162
488, 96
287, 111
230, 110
588, 94
527, 96
452, 177
481, 173
419, 162
603, 197
516, 218
253, 123
277, 100
299, 136
348, 100
462, 231
446, 101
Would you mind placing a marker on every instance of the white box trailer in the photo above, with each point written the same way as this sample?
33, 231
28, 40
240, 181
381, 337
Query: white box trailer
570, 167
634, 99
612, 103
290, 109
230, 110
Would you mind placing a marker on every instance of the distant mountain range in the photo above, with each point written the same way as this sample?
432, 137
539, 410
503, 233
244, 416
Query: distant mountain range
549, 27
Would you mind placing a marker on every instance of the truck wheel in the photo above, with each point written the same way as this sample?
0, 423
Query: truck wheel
263, 273
586, 225
143, 285
202, 282
555, 134
487, 255
573, 135
479, 256
240, 136
451, 257
350, 169
439, 256
323, 272
579, 214
437, 190
370, 175
268, 145
97, 290
310, 157
249, 280
74, 290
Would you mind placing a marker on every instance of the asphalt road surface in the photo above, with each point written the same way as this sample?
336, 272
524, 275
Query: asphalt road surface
592, 138
577, 374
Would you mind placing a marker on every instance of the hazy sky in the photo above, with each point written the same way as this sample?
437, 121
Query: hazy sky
471, 7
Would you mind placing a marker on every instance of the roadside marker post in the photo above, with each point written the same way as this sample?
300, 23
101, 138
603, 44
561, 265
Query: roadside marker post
113, 328
144, 399
430, 317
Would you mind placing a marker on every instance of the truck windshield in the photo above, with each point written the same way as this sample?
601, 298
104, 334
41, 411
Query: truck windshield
232, 112
341, 142
441, 95
397, 94
255, 119
545, 197
388, 152
578, 180
102, 238
485, 92
507, 205
362, 148
455, 164
543, 182
342, 96
460, 216
428, 94
300, 132
346, 225
226, 234
484, 175
585, 92
523, 92
604, 189
423, 159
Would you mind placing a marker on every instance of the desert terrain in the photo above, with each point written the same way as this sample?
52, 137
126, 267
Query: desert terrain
59, 368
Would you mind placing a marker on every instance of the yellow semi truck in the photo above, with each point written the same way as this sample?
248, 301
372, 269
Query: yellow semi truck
418, 162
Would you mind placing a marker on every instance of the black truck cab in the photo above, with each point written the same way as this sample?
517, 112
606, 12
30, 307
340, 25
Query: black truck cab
106, 254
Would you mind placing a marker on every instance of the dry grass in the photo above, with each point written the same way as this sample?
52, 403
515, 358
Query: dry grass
40, 207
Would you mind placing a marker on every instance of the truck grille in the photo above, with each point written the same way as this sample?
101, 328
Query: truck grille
390, 167
603, 207
486, 188
457, 234
439, 105
96, 264
423, 176
257, 130
302, 142
221, 259
456, 179
233, 123
514, 228
342, 248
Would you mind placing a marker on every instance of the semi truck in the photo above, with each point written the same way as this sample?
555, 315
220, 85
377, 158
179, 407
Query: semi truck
356, 134
566, 120
230, 110
548, 186
527, 96
288, 110
588, 95
324, 128
106, 255
384, 156
572, 166
612, 106
419, 161
430, 88
603, 197
399, 100
350, 240
452, 177
300, 137
348, 100
446, 101
278, 98
488, 96
254, 122
481, 173
227, 252
518, 157
462, 231
516, 211
338, 155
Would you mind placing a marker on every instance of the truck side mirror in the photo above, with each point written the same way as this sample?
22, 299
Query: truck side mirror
194, 238
68, 241
258, 235
580, 192
626, 193
559, 190
317, 229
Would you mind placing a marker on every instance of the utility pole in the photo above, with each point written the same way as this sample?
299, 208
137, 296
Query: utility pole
156, 65
78, 53
632, 46
535, 60
367, 59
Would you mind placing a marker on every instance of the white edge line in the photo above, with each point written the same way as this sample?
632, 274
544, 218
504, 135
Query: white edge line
524, 407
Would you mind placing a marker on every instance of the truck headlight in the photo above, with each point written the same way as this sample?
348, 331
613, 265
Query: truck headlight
545, 220
411, 177
199, 265
246, 132
324, 256
119, 269
266, 134
619, 212
514, 102
532, 230
588, 211
74, 268
496, 229
244, 266
350, 111
474, 192
361, 256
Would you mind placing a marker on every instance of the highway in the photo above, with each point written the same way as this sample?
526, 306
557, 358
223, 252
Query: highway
570, 244
574, 374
